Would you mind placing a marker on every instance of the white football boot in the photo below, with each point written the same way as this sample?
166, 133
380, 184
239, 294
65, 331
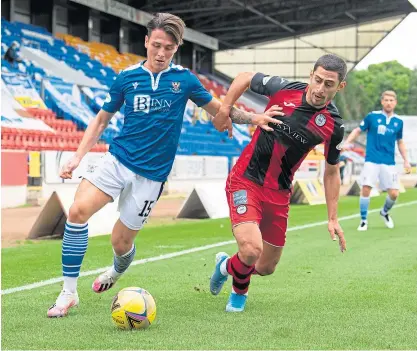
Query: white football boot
63, 303
104, 282
387, 220
363, 226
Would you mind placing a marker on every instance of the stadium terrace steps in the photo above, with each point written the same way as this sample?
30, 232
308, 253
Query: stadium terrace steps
41, 40
64, 136
97, 63
105, 53
58, 68
34, 140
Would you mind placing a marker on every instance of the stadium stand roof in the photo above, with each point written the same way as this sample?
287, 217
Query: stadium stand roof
237, 23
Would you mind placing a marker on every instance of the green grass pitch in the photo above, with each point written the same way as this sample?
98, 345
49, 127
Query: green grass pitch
317, 299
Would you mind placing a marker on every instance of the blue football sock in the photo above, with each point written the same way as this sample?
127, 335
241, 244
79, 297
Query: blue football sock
388, 205
121, 263
74, 246
364, 205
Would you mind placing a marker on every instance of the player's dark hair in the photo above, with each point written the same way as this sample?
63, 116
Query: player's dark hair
331, 62
171, 24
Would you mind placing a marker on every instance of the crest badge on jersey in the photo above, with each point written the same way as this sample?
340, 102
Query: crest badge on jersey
320, 120
135, 85
176, 87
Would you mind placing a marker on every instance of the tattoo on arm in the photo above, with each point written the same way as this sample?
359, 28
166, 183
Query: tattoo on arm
240, 117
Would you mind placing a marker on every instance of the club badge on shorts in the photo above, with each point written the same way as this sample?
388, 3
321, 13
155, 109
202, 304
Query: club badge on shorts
320, 120
240, 199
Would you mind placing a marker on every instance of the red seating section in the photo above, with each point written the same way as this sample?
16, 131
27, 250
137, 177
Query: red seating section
64, 138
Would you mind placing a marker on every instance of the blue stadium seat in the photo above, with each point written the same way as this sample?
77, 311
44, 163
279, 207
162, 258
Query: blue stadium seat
196, 139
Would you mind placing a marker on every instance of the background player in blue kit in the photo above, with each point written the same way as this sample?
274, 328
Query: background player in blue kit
384, 128
140, 158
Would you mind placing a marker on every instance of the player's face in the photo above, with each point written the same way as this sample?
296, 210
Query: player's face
388, 103
161, 48
323, 87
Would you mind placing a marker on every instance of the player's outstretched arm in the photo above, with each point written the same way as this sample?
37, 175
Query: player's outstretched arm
239, 85
352, 137
332, 188
90, 138
262, 120
403, 152
243, 117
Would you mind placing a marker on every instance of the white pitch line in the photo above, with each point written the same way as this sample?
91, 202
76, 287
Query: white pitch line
178, 253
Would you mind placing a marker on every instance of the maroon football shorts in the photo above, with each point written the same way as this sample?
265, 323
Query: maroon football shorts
250, 202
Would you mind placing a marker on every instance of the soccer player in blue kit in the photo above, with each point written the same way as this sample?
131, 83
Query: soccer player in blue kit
384, 128
140, 158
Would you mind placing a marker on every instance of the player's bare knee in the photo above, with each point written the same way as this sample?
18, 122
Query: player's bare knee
78, 213
121, 245
393, 194
366, 191
121, 248
249, 251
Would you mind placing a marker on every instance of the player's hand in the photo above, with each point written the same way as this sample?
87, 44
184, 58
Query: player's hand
69, 167
222, 120
407, 167
335, 231
262, 120
347, 147
222, 127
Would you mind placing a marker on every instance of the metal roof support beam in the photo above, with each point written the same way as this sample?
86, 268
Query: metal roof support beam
352, 17
205, 9
279, 24
215, 21
171, 7
313, 30
262, 15
199, 14
228, 44
151, 4
234, 28
272, 14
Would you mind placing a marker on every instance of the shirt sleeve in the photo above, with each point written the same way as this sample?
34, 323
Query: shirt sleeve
365, 124
267, 85
333, 147
400, 132
115, 98
198, 94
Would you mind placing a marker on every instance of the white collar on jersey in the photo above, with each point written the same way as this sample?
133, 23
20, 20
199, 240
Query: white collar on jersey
155, 82
387, 119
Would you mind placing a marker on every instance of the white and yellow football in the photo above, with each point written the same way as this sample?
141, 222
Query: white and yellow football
133, 308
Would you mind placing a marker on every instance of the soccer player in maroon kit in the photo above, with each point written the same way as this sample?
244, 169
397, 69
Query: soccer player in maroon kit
258, 188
